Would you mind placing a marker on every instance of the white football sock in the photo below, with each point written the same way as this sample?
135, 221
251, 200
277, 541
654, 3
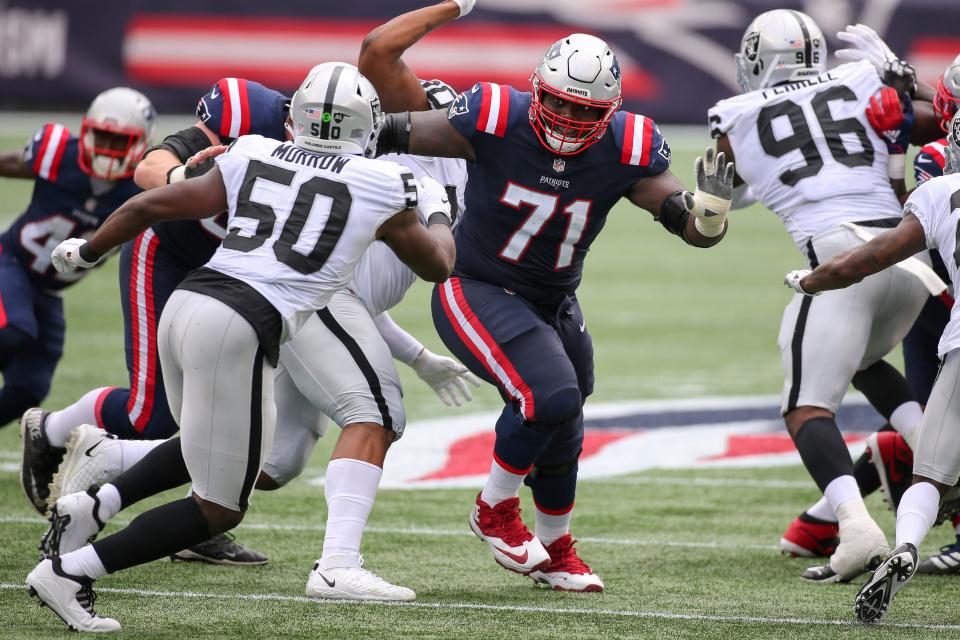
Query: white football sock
83, 562
110, 503
550, 527
350, 488
842, 489
917, 513
906, 420
59, 424
822, 511
501, 485
133, 451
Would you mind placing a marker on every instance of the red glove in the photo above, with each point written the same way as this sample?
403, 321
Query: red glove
886, 114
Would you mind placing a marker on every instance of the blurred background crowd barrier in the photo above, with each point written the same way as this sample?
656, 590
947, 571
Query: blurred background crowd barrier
676, 55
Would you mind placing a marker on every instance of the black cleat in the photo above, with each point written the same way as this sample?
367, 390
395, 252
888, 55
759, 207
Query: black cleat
221, 549
874, 598
38, 459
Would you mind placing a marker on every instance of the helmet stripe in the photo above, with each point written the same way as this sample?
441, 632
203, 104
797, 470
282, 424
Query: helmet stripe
244, 107
807, 45
236, 108
328, 103
225, 115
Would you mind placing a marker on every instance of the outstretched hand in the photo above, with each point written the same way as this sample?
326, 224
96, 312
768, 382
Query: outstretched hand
711, 201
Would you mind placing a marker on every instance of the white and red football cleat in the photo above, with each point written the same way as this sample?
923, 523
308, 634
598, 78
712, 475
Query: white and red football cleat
566, 571
892, 458
512, 544
809, 537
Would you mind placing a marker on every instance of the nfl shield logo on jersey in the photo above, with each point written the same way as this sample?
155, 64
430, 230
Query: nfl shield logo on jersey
559, 165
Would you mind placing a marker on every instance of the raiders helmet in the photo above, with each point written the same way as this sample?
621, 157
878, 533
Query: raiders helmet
948, 94
782, 45
336, 110
115, 133
952, 149
580, 69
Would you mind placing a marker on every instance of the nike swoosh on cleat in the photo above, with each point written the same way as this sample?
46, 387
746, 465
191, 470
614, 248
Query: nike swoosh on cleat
329, 584
97, 444
521, 559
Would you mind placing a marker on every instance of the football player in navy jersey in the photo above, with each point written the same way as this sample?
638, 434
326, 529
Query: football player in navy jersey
546, 168
78, 182
151, 267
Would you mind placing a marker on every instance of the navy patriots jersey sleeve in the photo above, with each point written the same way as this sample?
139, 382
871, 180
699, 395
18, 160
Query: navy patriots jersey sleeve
236, 107
640, 143
929, 161
46, 150
485, 110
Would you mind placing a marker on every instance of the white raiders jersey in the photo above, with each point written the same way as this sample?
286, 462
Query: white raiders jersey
299, 222
936, 203
381, 279
808, 152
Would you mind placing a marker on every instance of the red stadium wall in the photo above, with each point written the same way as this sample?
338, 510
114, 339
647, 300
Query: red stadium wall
676, 55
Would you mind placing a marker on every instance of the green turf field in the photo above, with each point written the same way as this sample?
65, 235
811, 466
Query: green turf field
680, 559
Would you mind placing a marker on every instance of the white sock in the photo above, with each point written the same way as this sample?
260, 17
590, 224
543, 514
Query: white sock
906, 420
550, 527
822, 511
350, 488
501, 485
840, 490
109, 499
83, 562
59, 424
133, 451
917, 513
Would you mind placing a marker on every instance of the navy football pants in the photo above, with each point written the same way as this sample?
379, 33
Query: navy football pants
540, 357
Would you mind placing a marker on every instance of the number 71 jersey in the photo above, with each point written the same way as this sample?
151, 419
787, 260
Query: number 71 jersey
531, 214
808, 152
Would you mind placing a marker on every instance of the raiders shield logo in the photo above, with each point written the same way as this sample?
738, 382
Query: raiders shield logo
559, 165
750, 46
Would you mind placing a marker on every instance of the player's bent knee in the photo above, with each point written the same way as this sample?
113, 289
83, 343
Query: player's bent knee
554, 470
218, 517
559, 408
801, 415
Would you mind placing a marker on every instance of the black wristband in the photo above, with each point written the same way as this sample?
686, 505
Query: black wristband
673, 215
88, 254
395, 134
438, 217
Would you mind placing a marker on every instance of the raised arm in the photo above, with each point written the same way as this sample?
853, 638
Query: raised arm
883, 251
423, 133
380, 55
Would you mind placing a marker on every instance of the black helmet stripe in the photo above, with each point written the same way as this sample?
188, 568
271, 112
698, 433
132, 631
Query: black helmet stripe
807, 45
327, 116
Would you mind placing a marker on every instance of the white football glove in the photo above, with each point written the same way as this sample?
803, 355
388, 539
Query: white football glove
711, 201
866, 44
793, 279
466, 6
66, 256
446, 377
432, 198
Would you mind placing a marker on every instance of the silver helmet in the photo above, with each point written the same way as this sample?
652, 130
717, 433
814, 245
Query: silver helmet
952, 150
336, 110
579, 69
782, 45
116, 132
948, 94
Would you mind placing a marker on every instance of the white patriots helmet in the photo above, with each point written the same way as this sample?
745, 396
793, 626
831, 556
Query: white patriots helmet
115, 133
948, 94
580, 69
782, 45
952, 149
336, 110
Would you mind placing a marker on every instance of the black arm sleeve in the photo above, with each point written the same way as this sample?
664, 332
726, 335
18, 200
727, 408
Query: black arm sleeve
673, 215
395, 134
184, 144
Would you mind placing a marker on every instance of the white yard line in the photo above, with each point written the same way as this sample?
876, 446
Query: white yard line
462, 533
708, 482
468, 606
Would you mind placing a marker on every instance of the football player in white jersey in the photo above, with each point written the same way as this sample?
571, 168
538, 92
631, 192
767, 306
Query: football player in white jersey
301, 215
805, 149
931, 221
